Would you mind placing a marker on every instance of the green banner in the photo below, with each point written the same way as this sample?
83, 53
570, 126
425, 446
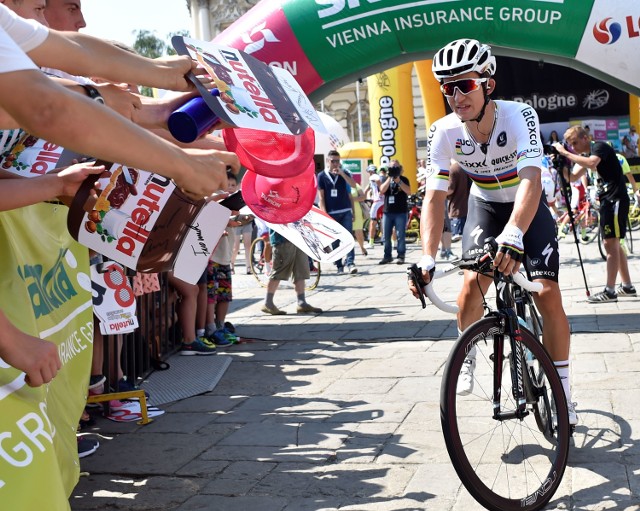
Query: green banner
45, 290
351, 35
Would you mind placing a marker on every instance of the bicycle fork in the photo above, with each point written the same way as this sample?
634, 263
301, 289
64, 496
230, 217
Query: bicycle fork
517, 369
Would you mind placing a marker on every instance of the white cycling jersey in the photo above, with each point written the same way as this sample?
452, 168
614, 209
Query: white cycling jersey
493, 167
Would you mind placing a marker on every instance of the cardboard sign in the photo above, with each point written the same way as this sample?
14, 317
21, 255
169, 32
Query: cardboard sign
145, 223
315, 234
114, 303
251, 94
31, 156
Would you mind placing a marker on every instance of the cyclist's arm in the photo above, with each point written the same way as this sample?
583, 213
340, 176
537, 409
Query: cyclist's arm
527, 198
432, 220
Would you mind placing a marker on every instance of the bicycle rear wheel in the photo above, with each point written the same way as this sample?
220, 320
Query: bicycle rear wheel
314, 278
505, 464
589, 226
629, 238
260, 261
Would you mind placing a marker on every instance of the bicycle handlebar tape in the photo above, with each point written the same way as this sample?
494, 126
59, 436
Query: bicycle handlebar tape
192, 120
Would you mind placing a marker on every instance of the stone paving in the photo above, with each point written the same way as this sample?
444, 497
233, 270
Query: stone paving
340, 411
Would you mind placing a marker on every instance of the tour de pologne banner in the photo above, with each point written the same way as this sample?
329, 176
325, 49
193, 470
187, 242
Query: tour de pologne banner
45, 291
324, 41
556, 92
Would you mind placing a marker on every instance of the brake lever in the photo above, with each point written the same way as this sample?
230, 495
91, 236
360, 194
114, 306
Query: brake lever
415, 274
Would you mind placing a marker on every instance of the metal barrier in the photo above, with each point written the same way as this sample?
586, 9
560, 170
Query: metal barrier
148, 347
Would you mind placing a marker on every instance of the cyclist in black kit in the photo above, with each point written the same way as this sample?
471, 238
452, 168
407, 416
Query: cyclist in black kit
614, 205
498, 145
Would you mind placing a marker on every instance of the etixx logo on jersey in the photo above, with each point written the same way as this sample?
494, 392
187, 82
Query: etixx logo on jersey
609, 31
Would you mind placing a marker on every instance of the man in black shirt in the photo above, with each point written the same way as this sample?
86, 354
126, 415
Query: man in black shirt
396, 190
614, 205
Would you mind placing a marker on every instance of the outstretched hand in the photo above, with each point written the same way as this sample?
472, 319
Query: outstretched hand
206, 172
74, 175
176, 69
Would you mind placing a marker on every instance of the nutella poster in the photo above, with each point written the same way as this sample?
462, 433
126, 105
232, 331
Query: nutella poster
114, 303
30, 156
315, 234
142, 221
251, 94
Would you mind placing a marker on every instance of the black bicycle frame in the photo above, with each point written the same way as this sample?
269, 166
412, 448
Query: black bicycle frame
510, 325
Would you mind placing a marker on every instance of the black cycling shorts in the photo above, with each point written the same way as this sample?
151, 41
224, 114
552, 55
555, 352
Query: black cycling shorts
613, 217
487, 219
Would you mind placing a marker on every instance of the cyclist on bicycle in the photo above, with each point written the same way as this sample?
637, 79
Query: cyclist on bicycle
497, 143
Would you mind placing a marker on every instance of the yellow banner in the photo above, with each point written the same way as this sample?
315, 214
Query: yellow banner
45, 290
393, 134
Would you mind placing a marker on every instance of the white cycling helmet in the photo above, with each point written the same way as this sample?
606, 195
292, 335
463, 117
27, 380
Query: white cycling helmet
462, 56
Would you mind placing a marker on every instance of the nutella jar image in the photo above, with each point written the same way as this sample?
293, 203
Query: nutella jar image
145, 223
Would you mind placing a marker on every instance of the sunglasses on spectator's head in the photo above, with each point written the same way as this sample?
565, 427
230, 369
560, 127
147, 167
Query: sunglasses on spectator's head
465, 86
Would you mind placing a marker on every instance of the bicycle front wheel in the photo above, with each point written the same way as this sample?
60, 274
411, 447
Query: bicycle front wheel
508, 463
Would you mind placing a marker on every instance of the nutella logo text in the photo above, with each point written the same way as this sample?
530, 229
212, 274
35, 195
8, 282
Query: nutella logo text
249, 82
133, 231
46, 159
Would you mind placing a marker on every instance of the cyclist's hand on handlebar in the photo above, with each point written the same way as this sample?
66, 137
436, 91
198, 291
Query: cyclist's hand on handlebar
510, 250
425, 267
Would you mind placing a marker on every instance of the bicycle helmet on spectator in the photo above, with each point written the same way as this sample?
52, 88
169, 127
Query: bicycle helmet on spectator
462, 56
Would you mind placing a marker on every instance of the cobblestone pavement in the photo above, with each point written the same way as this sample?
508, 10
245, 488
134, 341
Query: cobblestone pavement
340, 411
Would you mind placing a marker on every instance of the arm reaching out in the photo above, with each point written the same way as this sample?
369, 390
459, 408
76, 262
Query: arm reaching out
37, 358
17, 192
84, 55
51, 112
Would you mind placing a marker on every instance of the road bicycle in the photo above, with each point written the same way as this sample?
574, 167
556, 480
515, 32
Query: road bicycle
260, 260
377, 237
634, 210
508, 439
412, 233
586, 221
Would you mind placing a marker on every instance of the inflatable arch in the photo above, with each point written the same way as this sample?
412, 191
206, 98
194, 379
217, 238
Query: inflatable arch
328, 43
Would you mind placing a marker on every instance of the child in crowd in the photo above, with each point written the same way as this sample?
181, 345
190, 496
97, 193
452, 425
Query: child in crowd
219, 293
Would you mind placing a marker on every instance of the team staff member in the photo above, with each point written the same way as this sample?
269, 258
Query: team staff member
614, 205
497, 143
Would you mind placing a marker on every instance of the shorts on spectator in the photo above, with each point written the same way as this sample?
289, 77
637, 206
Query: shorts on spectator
218, 282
